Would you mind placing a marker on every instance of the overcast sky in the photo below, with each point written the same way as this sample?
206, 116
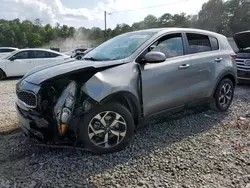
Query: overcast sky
90, 13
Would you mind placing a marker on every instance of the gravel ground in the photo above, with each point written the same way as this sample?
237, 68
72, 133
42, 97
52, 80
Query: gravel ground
7, 105
198, 148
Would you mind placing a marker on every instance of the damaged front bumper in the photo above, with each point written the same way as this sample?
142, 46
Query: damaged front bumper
34, 126
59, 126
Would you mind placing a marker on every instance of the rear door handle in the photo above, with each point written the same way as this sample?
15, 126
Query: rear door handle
184, 66
219, 59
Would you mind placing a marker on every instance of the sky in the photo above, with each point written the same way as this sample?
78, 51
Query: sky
90, 13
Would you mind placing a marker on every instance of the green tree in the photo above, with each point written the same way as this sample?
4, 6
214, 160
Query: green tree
211, 16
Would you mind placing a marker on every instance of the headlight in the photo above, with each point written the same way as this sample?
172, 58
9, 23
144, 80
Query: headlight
64, 107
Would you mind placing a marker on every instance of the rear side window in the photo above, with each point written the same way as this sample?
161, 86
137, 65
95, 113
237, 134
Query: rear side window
40, 54
198, 43
45, 54
23, 55
214, 43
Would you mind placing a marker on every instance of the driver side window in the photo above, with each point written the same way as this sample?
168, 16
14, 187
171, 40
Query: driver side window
22, 55
171, 45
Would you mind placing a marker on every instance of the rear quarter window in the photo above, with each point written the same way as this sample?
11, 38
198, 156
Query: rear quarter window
214, 43
51, 54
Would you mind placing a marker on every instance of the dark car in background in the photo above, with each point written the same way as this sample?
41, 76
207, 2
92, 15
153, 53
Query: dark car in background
242, 40
80, 55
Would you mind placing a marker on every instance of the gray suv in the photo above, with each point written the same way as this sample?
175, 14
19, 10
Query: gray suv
98, 102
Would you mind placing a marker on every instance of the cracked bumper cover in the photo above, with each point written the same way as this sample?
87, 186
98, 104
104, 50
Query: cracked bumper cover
33, 126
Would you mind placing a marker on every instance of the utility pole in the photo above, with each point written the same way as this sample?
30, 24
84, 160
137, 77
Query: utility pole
105, 22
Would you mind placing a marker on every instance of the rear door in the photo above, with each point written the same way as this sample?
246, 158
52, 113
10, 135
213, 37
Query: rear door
43, 58
204, 57
20, 64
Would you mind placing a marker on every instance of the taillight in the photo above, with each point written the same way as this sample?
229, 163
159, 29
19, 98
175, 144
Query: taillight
234, 56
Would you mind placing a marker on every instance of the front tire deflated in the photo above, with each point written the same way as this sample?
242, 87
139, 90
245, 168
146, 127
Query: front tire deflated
106, 128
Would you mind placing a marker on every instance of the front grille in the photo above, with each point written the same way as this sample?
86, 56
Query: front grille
241, 64
29, 99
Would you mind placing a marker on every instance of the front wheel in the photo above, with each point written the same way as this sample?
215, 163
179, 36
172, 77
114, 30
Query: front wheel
107, 128
223, 95
79, 57
1, 74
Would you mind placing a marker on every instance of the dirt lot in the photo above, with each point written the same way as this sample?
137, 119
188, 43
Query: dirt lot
198, 148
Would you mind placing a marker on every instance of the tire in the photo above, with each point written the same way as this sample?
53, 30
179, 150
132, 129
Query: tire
95, 142
79, 57
218, 96
2, 75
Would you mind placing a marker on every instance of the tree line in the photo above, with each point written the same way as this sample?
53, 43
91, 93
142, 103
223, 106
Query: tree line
225, 17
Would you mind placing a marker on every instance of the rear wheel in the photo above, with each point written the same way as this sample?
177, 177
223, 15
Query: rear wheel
79, 57
2, 75
223, 95
107, 128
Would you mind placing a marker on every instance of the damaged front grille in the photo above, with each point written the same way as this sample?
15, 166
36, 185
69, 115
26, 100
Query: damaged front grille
27, 98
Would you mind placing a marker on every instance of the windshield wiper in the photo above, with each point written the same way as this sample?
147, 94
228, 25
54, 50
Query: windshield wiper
91, 59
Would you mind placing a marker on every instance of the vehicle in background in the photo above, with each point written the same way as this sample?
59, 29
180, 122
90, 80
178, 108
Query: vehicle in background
80, 55
19, 62
6, 50
98, 102
74, 52
242, 40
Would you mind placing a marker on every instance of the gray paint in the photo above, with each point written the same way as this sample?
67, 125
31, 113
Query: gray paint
166, 85
172, 83
121, 78
155, 57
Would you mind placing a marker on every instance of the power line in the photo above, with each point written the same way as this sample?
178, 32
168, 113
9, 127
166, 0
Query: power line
182, 1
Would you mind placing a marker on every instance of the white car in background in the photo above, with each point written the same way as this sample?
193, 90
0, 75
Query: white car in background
19, 62
6, 50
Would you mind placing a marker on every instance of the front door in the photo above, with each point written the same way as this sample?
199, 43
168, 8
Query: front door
19, 64
165, 85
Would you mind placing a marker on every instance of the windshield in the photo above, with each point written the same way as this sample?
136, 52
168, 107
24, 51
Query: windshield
119, 47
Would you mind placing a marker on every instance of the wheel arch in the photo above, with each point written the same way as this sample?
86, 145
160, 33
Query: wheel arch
4, 73
228, 74
128, 100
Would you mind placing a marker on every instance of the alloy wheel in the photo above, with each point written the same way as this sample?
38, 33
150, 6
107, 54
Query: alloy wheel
225, 95
107, 129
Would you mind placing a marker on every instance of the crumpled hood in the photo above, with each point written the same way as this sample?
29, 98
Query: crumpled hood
41, 74
242, 39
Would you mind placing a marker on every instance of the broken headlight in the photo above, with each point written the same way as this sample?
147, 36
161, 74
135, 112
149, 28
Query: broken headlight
64, 107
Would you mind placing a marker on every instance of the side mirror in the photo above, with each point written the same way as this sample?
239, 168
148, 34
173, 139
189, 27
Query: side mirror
12, 58
155, 57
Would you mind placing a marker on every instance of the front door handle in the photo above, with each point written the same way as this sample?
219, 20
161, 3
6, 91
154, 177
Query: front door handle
184, 66
219, 59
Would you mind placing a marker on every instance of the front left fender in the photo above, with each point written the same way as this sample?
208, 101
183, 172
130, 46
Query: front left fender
124, 77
